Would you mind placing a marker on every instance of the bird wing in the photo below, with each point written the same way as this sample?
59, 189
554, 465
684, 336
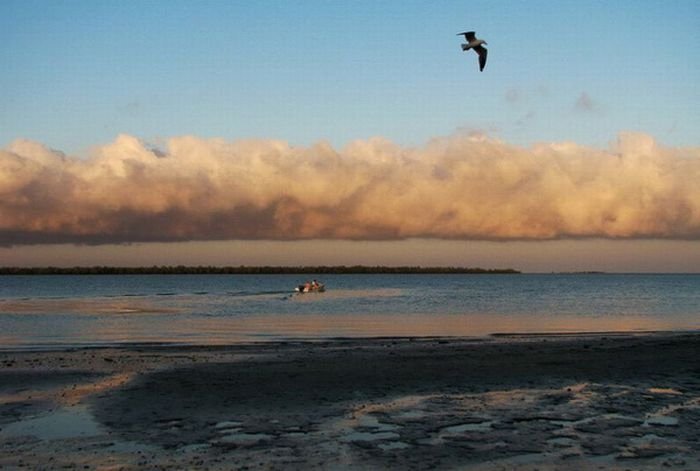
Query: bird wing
481, 50
469, 35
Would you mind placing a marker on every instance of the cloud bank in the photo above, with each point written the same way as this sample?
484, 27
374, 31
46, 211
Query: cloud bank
456, 187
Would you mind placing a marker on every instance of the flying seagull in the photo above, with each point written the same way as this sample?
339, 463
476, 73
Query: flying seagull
476, 44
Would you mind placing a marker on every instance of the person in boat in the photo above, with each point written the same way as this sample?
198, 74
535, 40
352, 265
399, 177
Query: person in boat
310, 286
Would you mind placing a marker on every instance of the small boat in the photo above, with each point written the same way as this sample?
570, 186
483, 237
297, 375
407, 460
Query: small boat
313, 287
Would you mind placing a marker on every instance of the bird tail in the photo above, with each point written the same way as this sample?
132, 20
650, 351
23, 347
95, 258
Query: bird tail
465, 47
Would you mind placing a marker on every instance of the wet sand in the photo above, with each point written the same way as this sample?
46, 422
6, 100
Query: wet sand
599, 401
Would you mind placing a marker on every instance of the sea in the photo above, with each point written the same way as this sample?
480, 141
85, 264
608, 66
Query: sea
50, 311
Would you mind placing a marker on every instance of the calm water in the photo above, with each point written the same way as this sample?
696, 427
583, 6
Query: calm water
214, 309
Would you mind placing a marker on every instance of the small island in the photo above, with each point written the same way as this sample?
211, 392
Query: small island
255, 270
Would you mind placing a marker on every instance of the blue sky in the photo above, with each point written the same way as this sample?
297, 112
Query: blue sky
78, 73
107, 81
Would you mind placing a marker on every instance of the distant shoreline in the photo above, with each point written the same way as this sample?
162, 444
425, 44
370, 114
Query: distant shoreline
256, 270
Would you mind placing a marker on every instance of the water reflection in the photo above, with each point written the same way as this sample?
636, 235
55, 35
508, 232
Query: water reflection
222, 330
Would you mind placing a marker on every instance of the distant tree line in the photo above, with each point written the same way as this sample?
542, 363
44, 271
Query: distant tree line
248, 270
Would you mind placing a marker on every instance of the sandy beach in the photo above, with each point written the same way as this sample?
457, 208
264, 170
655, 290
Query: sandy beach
603, 401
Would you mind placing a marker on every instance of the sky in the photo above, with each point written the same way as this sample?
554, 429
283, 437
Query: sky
328, 132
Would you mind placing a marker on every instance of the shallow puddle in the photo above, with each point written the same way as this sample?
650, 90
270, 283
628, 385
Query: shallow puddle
369, 436
70, 422
244, 439
663, 420
474, 427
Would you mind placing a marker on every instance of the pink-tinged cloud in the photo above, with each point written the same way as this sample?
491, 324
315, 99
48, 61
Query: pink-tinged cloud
457, 187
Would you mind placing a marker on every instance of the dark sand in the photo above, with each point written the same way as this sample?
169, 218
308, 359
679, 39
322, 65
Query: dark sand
526, 403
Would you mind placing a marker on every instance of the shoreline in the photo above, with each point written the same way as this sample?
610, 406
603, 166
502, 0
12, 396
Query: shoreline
278, 341
604, 401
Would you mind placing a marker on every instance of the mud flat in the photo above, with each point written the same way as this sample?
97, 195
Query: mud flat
598, 401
